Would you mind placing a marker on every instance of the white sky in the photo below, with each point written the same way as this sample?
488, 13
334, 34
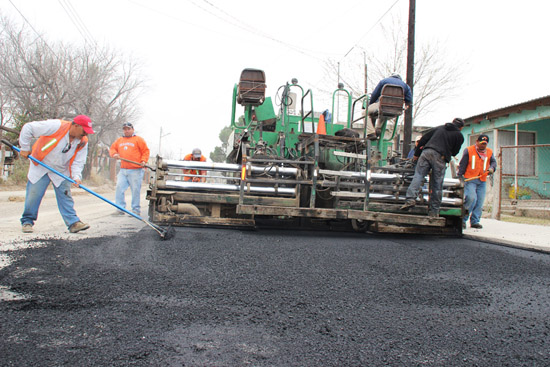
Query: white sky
193, 51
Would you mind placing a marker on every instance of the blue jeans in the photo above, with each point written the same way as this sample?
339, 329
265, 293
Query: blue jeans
35, 193
129, 178
429, 160
474, 196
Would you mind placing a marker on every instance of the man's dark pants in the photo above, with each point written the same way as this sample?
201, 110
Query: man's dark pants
429, 160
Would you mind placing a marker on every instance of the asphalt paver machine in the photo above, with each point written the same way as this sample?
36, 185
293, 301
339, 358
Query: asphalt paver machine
297, 167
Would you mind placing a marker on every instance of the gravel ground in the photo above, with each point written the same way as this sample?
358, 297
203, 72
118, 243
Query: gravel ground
274, 298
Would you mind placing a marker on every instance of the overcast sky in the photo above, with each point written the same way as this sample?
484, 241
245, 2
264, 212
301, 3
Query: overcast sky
193, 51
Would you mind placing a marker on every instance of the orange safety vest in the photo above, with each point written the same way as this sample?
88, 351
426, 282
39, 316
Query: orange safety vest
477, 166
189, 157
45, 144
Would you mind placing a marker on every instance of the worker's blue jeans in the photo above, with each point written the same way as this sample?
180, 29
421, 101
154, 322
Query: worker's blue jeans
35, 193
129, 178
430, 160
474, 196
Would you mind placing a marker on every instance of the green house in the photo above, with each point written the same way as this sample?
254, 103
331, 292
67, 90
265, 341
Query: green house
525, 127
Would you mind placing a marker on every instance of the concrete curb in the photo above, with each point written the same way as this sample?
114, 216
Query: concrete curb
507, 243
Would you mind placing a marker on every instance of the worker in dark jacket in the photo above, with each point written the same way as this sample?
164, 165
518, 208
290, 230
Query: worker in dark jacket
439, 145
476, 164
395, 79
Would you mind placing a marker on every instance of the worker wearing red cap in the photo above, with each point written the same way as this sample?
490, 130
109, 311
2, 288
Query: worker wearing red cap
62, 145
476, 164
195, 175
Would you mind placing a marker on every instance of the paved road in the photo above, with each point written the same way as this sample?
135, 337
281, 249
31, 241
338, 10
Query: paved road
274, 298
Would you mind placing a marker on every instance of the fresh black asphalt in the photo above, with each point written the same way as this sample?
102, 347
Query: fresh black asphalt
213, 297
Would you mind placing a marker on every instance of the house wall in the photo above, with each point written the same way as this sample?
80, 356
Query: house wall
536, 121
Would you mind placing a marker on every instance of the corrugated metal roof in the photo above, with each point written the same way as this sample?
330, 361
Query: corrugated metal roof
505, 111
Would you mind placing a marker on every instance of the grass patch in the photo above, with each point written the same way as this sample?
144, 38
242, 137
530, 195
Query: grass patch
525, 220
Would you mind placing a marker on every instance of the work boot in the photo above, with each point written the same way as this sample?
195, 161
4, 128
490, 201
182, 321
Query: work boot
463, 225
78, 226
476, 225
372, 136
409, 203
27, 228
432, 214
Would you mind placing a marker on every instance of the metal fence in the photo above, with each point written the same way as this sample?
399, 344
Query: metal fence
522, 182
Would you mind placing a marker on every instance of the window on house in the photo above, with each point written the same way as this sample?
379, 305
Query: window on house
526, 156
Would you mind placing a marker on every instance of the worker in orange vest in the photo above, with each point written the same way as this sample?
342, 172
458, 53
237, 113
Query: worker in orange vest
196, 155
62, 145
476, 164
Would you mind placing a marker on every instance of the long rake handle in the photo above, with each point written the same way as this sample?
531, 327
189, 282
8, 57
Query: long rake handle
136, 163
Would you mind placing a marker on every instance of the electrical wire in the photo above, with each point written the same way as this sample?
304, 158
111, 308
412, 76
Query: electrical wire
35, 31
250, 29
75, 18
370, 29
257, 31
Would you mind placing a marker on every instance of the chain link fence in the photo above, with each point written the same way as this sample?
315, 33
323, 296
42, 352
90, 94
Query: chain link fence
522, 183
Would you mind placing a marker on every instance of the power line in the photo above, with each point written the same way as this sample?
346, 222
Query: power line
371, 28
74, 17
35, 31
250, 29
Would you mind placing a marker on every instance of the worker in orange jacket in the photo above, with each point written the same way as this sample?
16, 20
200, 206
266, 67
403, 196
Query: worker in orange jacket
196, 155
133, 148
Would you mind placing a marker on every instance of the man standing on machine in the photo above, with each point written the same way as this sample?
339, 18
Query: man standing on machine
62, 145
439, 144
133, 154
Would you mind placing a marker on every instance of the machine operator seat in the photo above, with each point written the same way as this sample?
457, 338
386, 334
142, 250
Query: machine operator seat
390, 106
251, 88
391, 101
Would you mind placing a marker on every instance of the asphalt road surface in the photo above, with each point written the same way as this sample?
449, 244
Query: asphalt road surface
212, 297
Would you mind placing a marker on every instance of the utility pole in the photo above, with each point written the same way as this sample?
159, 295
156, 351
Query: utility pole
160, 138
407, 127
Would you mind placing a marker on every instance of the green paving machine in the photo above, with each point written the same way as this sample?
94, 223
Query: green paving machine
298, 168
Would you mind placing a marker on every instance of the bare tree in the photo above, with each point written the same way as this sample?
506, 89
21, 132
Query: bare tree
435, 77
42, 80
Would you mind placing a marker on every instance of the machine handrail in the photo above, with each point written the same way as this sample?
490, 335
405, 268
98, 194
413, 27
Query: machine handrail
309, 113
349, 105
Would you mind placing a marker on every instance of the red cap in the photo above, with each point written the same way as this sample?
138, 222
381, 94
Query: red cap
85, 122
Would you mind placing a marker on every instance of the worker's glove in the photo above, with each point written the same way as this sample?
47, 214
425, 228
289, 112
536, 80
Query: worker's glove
196, 179
461, 178
491, 171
